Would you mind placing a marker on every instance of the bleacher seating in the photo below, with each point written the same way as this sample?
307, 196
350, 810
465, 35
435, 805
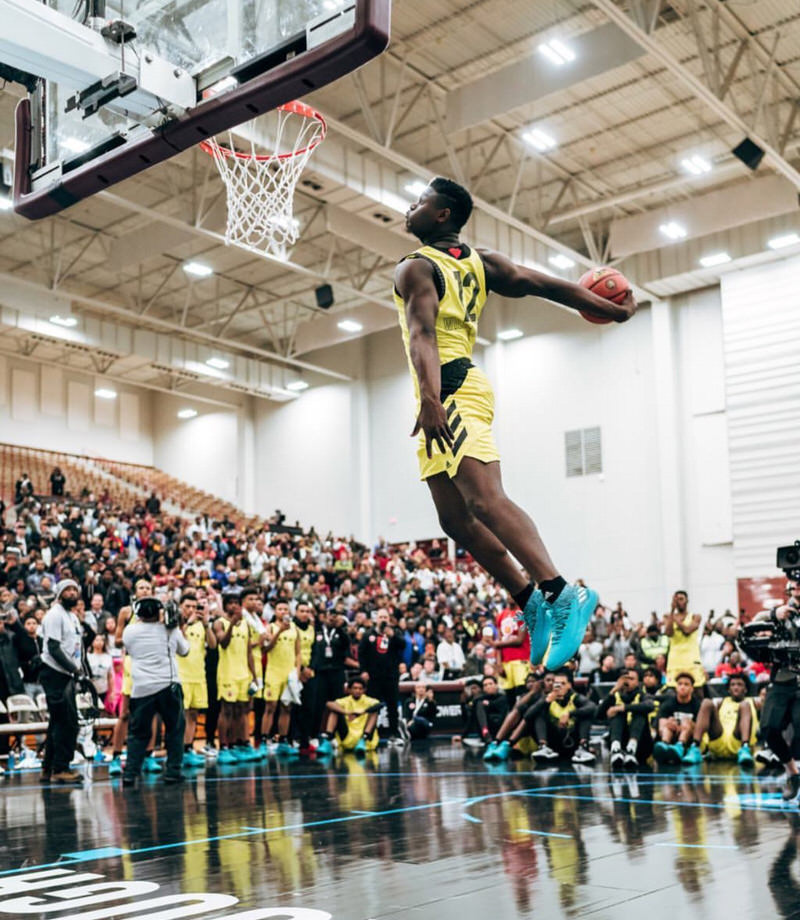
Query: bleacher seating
123, 483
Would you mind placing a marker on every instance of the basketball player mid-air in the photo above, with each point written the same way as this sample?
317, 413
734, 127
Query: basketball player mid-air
440, 290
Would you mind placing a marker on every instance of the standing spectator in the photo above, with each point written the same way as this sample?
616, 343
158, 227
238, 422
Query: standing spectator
10, 681
28, 646
450, 656
684, 647
330, 656
652, 644
153, 504
23, 489
61, 664
590, 653
57, 481
379, 655
100, 666
618, 642
711, 645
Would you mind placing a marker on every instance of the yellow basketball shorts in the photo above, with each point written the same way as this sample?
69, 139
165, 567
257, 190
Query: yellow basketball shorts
352, 738
127, 677
275, 681
470, 412
195, 694
516, 673
234, 691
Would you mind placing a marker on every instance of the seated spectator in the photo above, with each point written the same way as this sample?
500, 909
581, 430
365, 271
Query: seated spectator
607, 673
450, 656
628, 709
430, 672
475, 661
515, 726
562, 722
711, 644
419, 714
677, 715
490, 709
28, 645
353, 719
652, 644
730, 665
727, 727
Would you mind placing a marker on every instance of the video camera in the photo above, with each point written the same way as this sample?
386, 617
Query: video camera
776, 642
149, 610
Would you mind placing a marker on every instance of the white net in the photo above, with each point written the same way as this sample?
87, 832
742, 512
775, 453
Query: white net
260, 186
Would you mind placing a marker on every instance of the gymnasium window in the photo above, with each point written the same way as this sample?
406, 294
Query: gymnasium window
584, 453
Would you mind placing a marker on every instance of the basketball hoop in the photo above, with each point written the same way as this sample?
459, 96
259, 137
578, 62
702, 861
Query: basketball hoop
260, 186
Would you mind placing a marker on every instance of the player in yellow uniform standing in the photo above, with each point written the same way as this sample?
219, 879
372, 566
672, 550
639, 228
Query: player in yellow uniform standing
354, 718
252, 608
440, 291
192, 672
235, 673
284, 655
142, 588
683, 629
728, 731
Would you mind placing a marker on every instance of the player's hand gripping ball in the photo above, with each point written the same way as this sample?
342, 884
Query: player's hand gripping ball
605, 282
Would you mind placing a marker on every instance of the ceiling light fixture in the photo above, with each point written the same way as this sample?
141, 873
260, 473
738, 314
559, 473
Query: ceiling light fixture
561, 261
350, 325
557, 52
781, 242
198, 269
508, 335
673, 230
297, 386
68, 322
105, 393
539, 139
716, 258
219, 364
74, 145
696, 165
187, 413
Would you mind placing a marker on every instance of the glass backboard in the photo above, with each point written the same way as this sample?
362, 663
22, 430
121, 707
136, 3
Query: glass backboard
238, 59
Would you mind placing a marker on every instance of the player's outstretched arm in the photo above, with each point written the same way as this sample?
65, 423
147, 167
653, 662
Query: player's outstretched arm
414, 282
511, 280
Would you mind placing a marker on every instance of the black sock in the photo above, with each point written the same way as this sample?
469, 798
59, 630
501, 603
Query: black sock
552, 588
325, 735
187, 748
523, 597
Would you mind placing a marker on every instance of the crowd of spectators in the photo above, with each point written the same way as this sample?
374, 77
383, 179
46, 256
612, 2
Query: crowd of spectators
327, 628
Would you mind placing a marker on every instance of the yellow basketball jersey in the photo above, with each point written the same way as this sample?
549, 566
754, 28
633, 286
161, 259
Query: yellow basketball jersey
306, 643
281, 657
557, 709
192, 667
232, 665
461, 286
729, 715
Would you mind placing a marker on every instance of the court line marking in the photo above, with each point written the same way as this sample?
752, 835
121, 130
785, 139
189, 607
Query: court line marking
699, 846
549, 834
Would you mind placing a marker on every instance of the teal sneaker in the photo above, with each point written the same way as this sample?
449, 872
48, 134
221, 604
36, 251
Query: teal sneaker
661, 751
676, 753
536, 618
285, 749
570, 614
324, 748
151, 765
503, 751
692, 756
491, 751
744, 757
226, 757
115, 767
361, 748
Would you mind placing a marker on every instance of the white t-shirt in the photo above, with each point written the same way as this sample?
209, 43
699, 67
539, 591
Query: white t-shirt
65, 628
450, 655
100, 665
152, 649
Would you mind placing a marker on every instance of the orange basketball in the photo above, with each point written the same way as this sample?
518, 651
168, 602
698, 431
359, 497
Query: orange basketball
605, 282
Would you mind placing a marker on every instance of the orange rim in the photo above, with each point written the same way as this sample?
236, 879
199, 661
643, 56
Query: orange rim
295, 108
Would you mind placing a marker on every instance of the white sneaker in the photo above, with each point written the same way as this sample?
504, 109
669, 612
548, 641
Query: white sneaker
210, 751
583, 755
404, 733
617, 759
544, 753
29, 762
475, 744
631, 760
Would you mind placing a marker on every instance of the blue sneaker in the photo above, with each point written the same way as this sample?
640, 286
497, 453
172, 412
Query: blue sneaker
226, 757
324, 748
191, 760
692, 756
744, 757
491, 751
285, 749
661, 751
115, 767
503, 751
570, 614
241, 754
360, 749
536, 618
151, 765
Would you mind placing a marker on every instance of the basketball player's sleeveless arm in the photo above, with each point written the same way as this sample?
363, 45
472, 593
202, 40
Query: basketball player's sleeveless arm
511, 280
415, 284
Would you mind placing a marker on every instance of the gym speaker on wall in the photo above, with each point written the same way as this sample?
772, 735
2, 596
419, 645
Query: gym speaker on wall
324, 295
749, 153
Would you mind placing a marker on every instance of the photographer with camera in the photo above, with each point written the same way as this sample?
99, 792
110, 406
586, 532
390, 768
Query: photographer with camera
379, 654
152, 641
62, 637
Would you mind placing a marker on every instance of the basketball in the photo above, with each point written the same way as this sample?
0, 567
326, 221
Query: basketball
605, 282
